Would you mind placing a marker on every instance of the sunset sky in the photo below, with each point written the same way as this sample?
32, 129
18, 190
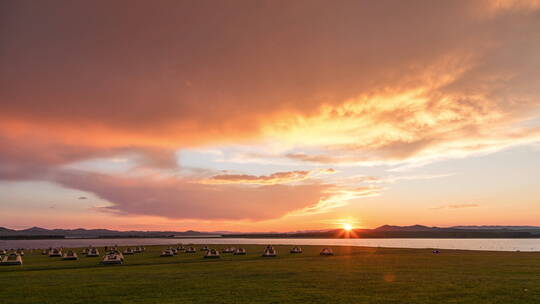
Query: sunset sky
269, 115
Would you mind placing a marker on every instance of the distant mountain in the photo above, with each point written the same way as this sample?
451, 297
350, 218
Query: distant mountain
487, 227
81, 232
36, 230
385, 231
406, 228
390, 231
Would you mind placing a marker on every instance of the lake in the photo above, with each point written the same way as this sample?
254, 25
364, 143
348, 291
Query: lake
464, 244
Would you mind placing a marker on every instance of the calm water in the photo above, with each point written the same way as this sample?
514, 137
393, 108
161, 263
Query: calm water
466, 244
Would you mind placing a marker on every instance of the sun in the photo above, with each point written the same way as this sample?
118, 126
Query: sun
347, 227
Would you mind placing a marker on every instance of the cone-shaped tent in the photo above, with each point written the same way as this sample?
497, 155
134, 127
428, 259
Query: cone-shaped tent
92, 252
212, 254
228, 250
327, 251
167, 253
55, 253
296, 249
70, 255
112, 258
11, 259
240, 251
269, 252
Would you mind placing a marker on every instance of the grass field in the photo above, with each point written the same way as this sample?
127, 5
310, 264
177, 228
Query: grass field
353, 275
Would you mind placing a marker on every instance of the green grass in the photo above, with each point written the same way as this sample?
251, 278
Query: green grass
353, 275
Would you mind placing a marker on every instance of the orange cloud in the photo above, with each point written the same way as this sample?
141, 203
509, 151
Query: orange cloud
457, 206
184, 199
446, 83
274, 178
425, 81
338, 196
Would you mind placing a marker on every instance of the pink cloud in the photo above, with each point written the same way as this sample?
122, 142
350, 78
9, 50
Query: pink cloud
457, 206
32, 157
274, 178
176, 198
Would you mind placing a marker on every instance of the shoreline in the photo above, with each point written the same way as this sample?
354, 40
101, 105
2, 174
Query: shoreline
501, 245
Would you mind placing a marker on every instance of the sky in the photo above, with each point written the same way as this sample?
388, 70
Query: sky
269, 115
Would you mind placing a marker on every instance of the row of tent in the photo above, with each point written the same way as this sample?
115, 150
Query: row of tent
11, 259
14, 258
209, 252
269, 251
115, 256
19, 251
88, 252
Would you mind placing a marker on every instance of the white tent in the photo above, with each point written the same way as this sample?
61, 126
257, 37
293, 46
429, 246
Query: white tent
93, 252
212, 254
55, 253
269, 252
167, 253
327, 251
11, 259
112, 258
70, 255
240, 251
296, 249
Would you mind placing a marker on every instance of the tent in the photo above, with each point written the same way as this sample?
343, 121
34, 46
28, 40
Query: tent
296, 249
228, 250
70, 255
55, 253
93, 252
167, 253
11, 259
327, 251
211, 254
269, 252
112, 259
240, 251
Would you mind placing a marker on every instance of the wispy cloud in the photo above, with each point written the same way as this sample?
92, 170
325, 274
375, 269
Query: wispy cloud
337, 196
456, 206
274, 178
183, 199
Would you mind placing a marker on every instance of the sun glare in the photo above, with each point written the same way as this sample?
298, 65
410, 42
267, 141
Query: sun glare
347, 227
